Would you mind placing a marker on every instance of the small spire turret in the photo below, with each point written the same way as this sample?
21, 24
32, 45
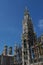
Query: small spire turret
10, 50
5, 50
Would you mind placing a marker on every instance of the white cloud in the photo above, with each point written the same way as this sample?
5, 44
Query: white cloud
40, 24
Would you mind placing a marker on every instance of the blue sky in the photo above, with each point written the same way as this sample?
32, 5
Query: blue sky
11, 16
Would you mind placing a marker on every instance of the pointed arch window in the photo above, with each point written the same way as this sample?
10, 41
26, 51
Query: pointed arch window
25, 46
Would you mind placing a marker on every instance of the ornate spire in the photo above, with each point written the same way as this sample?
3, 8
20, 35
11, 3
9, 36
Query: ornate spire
26, 12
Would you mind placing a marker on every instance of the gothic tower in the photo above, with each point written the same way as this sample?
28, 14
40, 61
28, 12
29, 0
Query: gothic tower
27, 38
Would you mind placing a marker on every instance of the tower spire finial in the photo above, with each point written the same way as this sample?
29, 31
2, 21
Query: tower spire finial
26, 8
26, 11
